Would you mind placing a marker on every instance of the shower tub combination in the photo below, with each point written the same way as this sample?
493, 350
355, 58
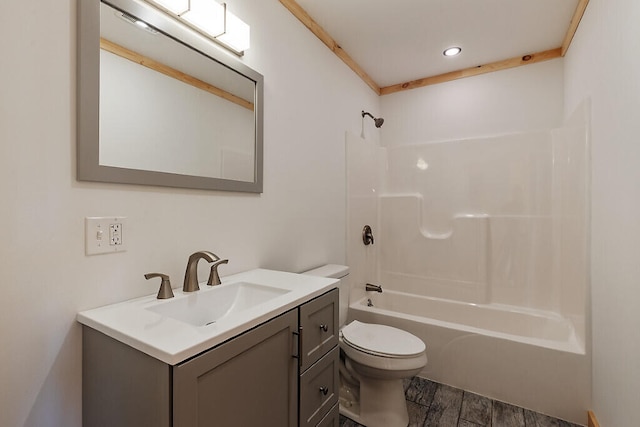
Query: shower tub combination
482, 252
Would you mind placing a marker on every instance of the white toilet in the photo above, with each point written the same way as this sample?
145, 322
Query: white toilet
375, 359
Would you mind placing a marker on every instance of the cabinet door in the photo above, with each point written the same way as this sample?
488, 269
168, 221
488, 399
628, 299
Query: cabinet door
248, 381
319, 324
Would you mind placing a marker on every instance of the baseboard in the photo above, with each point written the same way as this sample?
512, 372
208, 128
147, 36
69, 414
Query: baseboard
593, 421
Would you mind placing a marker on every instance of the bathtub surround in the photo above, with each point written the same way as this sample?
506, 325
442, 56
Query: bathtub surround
432, 404
482, 252
498, 220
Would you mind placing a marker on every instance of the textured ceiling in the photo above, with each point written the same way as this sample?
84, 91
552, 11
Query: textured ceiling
403, 40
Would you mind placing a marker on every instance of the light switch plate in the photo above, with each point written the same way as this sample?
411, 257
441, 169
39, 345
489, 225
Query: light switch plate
105, 234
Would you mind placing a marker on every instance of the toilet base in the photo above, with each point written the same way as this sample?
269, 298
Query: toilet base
382, 404
351, 412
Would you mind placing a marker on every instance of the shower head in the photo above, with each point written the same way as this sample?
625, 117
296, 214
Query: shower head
378, 121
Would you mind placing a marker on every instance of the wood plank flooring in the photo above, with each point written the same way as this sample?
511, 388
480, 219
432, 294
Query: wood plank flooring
437, 405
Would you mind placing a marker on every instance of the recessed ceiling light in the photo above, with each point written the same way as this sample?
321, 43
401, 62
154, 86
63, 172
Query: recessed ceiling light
452, 51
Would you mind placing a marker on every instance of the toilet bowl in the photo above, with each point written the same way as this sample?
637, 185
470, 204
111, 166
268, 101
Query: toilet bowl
375, 359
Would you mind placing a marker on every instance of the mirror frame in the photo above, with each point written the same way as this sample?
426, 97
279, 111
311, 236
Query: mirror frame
88, 105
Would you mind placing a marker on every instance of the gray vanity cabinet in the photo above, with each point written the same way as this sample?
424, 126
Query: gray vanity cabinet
282, 373
122, 386
332, 419
251, 380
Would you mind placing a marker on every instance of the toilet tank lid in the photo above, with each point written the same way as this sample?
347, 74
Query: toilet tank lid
333, 271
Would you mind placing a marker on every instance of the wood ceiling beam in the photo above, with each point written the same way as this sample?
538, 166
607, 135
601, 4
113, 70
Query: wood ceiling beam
475, 71
320, 32
533, 58
573, 26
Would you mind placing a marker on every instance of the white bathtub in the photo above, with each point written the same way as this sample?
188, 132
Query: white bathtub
530, 358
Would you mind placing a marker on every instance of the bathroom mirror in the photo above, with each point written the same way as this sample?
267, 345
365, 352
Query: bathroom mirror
163, 105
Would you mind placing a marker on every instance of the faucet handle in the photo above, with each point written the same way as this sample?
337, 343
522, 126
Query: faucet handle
367, 235
214, 277
165, 286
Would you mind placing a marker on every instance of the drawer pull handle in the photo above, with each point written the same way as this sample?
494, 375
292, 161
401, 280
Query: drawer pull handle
324, 390
324, 328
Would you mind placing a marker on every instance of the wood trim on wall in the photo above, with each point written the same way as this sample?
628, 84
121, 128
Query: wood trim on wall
474, 71
125, 53
320, 32
593, 421
527, 59
573, 27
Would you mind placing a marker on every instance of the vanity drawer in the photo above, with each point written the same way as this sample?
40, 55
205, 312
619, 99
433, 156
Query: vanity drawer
319, 325
332, 419
319, 387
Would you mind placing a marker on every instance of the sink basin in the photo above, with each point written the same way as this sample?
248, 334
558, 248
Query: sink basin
208, 306
179, 328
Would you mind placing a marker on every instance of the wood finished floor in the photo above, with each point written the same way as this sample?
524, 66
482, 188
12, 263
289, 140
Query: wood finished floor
437, 405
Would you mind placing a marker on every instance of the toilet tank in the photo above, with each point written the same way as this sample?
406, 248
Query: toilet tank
341, 272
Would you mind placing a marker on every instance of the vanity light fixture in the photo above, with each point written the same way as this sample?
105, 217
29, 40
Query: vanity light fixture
212, 19
237, 33
177, 7
452, 51
207, 16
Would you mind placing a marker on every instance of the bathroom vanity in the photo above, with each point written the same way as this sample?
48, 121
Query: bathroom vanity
279, 367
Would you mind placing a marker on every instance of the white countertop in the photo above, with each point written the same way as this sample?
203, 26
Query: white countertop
173, 341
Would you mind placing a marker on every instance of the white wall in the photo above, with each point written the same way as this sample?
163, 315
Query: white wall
311, 99
603, 64
515, 100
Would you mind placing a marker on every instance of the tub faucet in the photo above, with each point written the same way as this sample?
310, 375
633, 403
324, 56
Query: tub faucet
371, 287
191, 275
214, 277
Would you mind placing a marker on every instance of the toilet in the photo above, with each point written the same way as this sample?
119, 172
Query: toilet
375, 359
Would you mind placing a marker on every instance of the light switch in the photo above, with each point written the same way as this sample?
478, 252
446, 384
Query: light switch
105, 235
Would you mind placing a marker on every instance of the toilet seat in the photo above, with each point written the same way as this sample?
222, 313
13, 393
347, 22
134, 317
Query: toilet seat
382, 340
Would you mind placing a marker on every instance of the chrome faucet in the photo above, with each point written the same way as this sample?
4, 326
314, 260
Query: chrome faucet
191, 275
214, 277
371, 287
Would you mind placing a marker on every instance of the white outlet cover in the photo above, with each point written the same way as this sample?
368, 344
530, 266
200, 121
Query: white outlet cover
97, 234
